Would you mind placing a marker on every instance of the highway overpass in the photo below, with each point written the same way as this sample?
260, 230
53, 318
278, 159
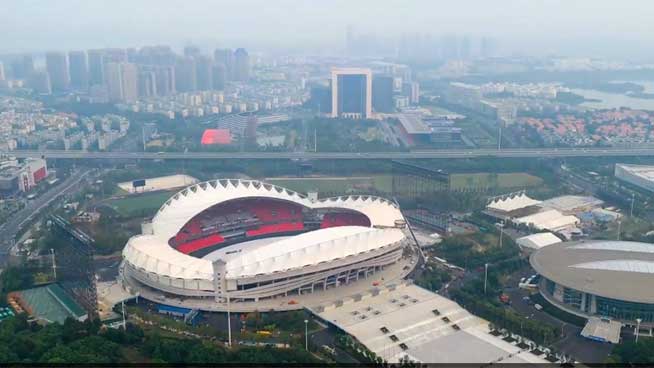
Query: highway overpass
433, 154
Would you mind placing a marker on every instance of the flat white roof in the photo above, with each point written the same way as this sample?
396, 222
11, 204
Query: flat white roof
413, 123
571, 202
552, 220
407, 313
159, 183
537, 241
644, 171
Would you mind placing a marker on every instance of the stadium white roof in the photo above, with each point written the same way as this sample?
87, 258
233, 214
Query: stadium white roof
552, 220
152, 253
311, 248
537, 241
509, 204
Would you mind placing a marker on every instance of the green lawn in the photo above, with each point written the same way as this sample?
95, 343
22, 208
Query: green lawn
135, 205
336, 185
503, 181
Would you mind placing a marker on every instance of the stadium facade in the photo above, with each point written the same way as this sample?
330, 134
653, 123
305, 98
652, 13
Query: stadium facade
601, 278
248, 241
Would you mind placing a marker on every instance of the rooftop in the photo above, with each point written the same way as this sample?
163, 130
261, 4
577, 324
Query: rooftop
406, 320
612, 269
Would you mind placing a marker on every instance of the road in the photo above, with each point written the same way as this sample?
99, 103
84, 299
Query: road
10, 229
571, 343
432, 154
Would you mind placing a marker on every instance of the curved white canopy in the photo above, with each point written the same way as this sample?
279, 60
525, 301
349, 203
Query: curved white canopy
152, 252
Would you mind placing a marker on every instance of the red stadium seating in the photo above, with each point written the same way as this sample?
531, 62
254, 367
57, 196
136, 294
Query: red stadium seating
271, 216
276, 228
195, 245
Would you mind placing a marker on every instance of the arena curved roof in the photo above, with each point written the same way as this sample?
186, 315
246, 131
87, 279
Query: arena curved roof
613, 269
191, 201
152, 253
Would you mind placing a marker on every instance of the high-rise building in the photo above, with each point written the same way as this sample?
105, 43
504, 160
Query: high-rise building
185, 75
487, 47
192, 51
203, 72
351, 93
382, 93
412, 91
40, 82
147, 83
96, 67
165, 80
321, 99
27, 66
219, 75
57, 66
79, 72
2, 71
122, 82
130, 74
225, 57
241, 65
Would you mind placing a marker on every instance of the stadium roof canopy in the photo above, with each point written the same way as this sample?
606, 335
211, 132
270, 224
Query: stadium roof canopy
612, 269
512, 203
152, 252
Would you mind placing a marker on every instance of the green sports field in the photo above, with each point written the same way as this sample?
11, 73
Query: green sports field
490, 180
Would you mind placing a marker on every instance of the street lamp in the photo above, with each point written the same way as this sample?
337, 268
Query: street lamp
485, 276
638, 321
306, 334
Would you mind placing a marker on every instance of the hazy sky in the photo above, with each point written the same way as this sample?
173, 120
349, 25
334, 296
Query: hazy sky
574, 27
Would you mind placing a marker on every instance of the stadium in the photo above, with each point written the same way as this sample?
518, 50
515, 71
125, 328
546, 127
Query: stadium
248, 241
601, 278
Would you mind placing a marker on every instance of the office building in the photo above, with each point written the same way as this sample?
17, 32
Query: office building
185, 75
79, 72
122, 82
192, 51
203, 72
225, 57
96, 67
57, 66
147, 83
241, 65
412, 91
219, 76
351, 93
165, 80
382, 93
40, 82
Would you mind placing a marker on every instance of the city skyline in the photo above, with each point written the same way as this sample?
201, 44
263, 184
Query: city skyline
539, 28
